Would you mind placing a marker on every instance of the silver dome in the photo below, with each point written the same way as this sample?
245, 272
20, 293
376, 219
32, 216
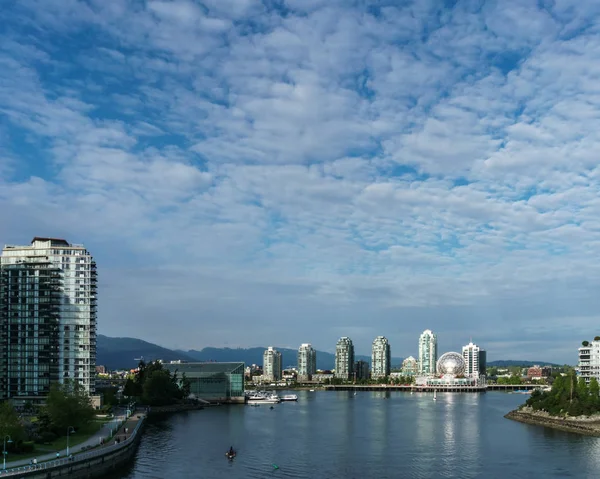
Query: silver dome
451, 364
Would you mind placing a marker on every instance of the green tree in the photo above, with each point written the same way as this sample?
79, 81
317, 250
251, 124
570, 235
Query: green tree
67, 405
10, 423
185, 386
131, 389
159, 389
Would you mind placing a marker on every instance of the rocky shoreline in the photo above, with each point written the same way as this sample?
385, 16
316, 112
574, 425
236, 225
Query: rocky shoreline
586, 425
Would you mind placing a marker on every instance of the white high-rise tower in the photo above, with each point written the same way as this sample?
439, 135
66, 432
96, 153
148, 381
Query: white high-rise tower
475, 360
427, 352
307, 362
380, 357
272, 364
344, 358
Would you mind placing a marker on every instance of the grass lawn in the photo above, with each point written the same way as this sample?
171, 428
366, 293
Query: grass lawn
60, 443
76, 438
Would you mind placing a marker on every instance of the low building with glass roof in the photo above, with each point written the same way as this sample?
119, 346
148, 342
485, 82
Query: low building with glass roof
213, 382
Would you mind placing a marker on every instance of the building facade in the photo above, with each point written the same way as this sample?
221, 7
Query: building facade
307, 362
427, 352
589, 360
380, 357
410, 367
475, 360
344, 359
49, 305
272, 364
361, 370
213, 382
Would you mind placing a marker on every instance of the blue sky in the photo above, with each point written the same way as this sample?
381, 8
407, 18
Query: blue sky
251, 173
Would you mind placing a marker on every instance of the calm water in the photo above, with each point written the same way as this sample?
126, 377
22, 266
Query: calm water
372, 434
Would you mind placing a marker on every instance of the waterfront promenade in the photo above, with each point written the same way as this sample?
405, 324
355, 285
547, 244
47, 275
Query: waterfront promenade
440, 388
110, 432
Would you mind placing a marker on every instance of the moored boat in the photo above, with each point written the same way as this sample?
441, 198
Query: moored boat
289, 397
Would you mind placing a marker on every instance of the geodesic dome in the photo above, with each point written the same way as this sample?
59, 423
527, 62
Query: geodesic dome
451, 364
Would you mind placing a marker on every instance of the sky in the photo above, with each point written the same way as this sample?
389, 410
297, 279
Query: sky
253, 173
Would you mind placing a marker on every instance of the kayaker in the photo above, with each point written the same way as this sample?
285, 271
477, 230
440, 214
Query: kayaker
231, 451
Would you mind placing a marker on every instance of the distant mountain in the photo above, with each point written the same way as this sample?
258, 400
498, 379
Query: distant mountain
289, 357
125, 353
525, 364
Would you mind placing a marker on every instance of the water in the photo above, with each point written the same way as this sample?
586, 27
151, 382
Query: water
373, 434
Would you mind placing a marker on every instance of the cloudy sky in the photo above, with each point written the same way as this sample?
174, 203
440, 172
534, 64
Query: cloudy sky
250, 173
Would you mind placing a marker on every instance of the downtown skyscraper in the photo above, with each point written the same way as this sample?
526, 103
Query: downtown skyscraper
48, 310
344, 359
427, 352
380, 357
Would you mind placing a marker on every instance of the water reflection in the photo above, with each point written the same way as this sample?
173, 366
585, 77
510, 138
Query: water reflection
338, 435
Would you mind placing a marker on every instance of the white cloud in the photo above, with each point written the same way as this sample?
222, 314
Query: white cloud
404, 167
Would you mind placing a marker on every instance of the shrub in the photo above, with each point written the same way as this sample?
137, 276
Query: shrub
26, 447
585, 343
597, 338
46, 437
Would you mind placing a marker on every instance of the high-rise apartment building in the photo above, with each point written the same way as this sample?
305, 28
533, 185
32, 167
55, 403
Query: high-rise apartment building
380, 357
272, 364
475, 360
361, 369
427, 352
30, 298
589, 360
307, 362
48, 316
344, 359
410, 366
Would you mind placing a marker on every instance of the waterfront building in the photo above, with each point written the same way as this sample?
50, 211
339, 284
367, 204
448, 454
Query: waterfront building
48, 316
410, 367
212, 382
427, 352
589, 360
475, 360
271, 364
307, 362
361, 370
380, 357
344, 359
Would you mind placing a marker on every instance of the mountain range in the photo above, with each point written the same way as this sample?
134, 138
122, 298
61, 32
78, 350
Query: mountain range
125, 353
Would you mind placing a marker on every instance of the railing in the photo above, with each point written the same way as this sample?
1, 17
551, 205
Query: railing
78, 458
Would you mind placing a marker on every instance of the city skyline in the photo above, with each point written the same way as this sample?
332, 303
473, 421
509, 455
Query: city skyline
336, 166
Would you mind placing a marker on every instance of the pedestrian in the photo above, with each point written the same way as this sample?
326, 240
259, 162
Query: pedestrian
35, 460
57, 454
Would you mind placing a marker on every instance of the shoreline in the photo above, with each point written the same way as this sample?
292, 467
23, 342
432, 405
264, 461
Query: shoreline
584, 425
174, 408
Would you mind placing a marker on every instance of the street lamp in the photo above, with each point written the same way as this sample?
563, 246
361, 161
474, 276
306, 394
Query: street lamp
4, 454
70, 429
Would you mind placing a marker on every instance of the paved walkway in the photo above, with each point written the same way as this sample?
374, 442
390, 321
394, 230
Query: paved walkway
94, 440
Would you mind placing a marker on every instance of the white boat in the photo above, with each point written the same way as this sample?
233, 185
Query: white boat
263, 398
435, 395
289, 397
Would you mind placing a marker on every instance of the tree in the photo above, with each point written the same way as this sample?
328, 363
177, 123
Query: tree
68, 405
159, 389
185, 386
585, 344
10, 423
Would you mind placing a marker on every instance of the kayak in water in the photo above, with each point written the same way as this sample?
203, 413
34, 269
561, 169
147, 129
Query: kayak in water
231, 453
